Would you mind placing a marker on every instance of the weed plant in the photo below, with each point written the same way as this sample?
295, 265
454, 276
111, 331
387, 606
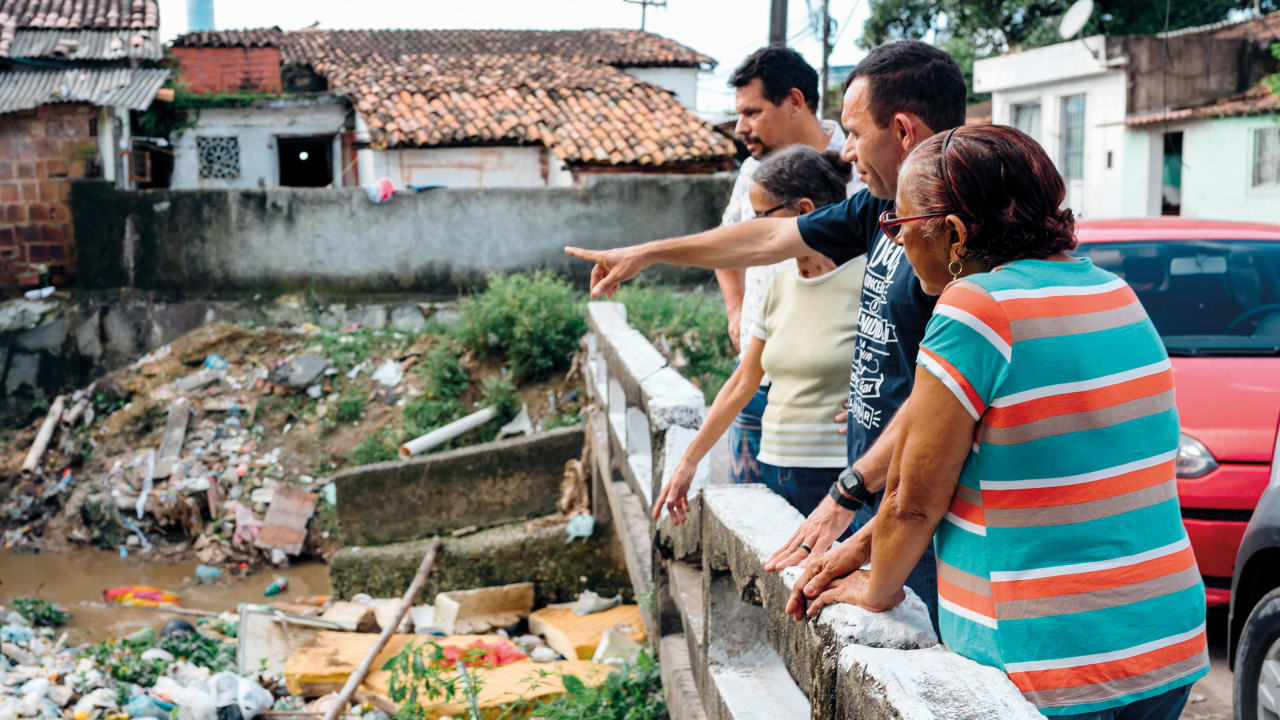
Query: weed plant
41, 613
690, 321
533, 321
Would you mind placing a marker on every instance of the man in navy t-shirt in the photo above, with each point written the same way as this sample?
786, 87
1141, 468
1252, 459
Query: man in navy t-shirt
901, 94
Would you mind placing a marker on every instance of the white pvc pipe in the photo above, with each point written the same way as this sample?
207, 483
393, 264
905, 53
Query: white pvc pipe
448, 432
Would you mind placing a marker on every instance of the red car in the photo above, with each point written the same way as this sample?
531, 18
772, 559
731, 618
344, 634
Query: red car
1212, 290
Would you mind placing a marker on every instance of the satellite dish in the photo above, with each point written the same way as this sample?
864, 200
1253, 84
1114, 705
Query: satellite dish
1074, 19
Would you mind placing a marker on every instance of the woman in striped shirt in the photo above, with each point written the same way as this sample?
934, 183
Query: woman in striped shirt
1037, 450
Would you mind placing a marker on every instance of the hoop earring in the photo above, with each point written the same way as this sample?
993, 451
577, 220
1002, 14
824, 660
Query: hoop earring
955, 267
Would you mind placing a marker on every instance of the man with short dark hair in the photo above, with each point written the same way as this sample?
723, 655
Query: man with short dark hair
776, 94
899, 95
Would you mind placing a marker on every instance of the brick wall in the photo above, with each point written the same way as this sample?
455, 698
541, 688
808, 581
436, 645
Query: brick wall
211, 70
40, 152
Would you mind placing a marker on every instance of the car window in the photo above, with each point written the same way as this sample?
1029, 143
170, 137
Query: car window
1209, 297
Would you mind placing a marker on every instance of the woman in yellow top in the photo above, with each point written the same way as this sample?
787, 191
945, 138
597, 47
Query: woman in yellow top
803, 338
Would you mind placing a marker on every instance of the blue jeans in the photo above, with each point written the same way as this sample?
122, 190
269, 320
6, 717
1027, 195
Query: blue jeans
1167, 705
744, 440
803, 487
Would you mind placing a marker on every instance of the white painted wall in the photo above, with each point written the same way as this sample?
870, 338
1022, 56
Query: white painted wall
464, 167
257, 128
681, 81
1217, 159
1049, 74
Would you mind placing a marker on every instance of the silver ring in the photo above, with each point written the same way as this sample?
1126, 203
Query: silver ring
806, 548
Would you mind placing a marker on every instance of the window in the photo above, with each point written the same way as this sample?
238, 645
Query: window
1266, 157
1026, 117
219, 157
1071, 158
306, 161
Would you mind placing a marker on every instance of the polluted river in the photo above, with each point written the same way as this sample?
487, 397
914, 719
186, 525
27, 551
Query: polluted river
76, 581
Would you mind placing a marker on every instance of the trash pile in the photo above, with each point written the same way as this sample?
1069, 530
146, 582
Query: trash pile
218, 446
292, 657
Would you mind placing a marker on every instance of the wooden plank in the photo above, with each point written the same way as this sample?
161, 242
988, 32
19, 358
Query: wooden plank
175, 432
285, 526
322, 665
525, 680
576, 636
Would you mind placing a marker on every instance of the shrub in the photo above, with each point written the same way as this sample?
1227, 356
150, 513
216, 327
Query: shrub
534, 321
350, 407
443, 375
499, 393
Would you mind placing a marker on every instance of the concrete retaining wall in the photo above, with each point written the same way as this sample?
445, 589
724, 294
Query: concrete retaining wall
481, 485
204, 241
726, 649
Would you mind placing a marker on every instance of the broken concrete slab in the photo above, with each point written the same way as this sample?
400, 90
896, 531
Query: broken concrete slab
482, 609
285, 525
352, 617
24, 370
23, 314
481, 485
48, 337
575, 636
408, 318
684, 702
89, 336
498, 556
301, 372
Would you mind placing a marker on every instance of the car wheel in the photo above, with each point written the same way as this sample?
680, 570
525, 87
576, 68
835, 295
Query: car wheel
1257, 677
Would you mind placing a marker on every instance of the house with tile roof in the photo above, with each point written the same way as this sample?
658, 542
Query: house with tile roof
71, 74
456, 108
1179, 123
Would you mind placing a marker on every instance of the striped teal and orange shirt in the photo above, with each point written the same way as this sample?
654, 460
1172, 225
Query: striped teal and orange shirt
1063, 559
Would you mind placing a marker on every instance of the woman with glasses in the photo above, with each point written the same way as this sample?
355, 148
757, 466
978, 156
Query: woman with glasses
802, 337
1037, 452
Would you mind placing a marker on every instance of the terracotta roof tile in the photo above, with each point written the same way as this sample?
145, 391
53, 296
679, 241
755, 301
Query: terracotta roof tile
626, 48
1258, 99
80, 14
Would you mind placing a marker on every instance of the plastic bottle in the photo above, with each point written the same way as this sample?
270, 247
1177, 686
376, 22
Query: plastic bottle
277, 586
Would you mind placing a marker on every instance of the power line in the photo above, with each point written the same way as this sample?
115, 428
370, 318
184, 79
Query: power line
845, 24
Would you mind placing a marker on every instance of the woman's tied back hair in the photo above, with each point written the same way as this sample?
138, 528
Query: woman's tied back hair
1001, 184
798, 171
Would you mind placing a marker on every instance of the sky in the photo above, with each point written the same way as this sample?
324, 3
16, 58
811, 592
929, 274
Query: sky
727, 30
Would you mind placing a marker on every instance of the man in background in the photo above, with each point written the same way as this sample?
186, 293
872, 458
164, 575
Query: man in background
776, 94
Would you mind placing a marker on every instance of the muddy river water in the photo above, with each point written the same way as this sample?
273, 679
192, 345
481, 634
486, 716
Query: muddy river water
76, 581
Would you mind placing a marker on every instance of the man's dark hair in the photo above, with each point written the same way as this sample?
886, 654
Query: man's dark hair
779, 69
915, 77
798, 171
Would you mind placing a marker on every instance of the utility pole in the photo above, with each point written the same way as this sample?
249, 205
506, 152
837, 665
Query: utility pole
826, 55
644, 8
778, 22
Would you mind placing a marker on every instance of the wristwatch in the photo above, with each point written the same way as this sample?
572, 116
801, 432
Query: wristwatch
855, 493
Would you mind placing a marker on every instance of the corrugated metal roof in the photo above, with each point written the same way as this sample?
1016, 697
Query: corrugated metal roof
107, 87
87, 45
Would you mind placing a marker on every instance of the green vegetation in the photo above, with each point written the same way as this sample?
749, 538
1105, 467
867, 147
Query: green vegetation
423, 676
533, 321
40, 612
375, 448
632, 693
689, 327
1273, 81
122, 658
350, 406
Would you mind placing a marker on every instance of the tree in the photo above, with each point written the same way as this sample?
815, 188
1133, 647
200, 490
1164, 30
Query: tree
974, 29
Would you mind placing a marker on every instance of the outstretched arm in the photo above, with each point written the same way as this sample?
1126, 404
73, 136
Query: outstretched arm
734, 396
756, 242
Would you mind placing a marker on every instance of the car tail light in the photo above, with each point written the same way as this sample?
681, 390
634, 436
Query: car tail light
1194, 459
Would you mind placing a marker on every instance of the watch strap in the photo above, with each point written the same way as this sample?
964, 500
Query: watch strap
844, 501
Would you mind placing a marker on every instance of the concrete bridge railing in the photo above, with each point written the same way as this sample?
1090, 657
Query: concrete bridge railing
713, 613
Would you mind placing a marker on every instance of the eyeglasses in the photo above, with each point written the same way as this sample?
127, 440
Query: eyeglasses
891, 224
771, 210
